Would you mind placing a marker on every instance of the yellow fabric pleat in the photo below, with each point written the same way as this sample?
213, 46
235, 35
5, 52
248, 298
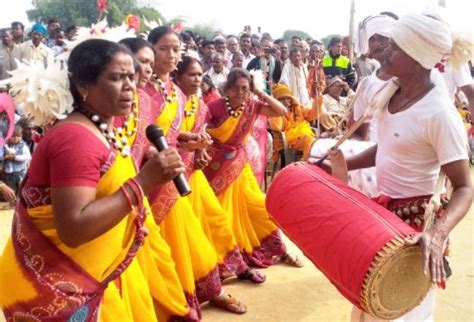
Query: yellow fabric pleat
167, 116
192, 252
98, 257
225, 130
244, 200
215, 221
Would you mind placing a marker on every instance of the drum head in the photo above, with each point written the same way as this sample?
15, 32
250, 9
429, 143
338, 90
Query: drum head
395, 284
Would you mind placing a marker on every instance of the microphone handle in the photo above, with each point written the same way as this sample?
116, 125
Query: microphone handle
182, 185
180, 181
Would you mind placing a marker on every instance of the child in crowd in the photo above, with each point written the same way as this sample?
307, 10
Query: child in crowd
15, 157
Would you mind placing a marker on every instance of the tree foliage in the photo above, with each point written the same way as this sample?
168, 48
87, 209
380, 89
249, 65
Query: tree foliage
207, 30
290, 33
84, 12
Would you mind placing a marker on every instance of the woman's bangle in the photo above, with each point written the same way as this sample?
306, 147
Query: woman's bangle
127, 196
137, 189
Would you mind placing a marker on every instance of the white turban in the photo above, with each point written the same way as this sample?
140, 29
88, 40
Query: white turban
426, 39
370, 26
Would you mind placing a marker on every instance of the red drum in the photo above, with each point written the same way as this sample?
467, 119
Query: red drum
355, 242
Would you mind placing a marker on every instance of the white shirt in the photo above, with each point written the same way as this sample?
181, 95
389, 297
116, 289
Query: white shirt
413, 144
28, 51
456, 78
372, 84
295, 78
218, 79
247, 60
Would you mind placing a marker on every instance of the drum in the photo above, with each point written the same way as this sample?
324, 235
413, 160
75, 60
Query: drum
357, 244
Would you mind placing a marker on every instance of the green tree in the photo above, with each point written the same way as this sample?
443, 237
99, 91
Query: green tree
81, 12
290, 33
207, 30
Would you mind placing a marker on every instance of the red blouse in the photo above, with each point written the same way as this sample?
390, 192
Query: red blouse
68, 155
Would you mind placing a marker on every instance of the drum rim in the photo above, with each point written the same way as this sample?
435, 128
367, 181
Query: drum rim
385, 256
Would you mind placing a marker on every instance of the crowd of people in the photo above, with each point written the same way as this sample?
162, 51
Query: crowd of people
100, 230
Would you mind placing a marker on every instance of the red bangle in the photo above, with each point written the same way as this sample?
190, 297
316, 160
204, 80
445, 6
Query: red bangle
137, 189
127, 196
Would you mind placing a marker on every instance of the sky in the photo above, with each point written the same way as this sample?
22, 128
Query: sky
276, 16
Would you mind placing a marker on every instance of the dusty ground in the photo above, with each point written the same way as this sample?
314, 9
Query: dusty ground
292, 294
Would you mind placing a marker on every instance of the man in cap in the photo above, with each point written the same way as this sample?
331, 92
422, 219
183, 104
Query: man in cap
419, 135
34, 50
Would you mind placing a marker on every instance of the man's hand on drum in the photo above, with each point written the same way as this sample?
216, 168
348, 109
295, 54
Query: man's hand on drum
433, 244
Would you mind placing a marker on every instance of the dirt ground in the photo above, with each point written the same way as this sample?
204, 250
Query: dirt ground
292, 294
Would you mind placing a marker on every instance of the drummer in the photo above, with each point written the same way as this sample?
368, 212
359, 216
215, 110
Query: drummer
419, 134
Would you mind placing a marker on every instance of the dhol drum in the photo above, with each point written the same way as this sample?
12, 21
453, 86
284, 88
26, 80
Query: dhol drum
352, 240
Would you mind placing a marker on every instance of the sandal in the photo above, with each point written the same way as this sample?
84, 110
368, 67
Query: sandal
292, 261
252, 275
229, 303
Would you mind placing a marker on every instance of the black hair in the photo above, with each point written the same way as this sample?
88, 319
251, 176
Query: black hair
234, 74
136, 44
208, 80
51, 21
71, 28
219, 41
244, 35
17, 23
206, 43
184, 64
157, 33
334, 41
88, 60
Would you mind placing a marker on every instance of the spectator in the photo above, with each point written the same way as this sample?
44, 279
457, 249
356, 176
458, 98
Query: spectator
208, 51
53, 24
59, 41
7, 57
245, 45
218, 73
335, 64
294, 75
364, 66
34, 50
266, 62
232, 48
237, 60
15, 159
18, 32
209, 92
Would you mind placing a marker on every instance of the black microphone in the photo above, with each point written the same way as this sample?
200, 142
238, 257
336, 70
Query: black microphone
154, 134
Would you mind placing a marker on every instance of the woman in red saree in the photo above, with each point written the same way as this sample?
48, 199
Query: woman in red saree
230, 174
214, 219
79, 222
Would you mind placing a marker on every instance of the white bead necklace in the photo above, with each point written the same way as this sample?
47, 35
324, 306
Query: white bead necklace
118, 137
168, 98
232, 112
193, 107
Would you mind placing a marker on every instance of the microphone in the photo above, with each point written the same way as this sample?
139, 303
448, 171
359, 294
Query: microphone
154, 134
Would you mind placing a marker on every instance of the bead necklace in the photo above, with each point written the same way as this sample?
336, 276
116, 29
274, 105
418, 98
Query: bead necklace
168, 98
232, 112
193, 107
118, 137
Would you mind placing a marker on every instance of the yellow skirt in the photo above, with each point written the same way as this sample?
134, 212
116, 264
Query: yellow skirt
216, 223
257, 236
160, 272
196, 261
132, 302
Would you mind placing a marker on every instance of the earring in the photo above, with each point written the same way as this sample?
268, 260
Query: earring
84, 97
